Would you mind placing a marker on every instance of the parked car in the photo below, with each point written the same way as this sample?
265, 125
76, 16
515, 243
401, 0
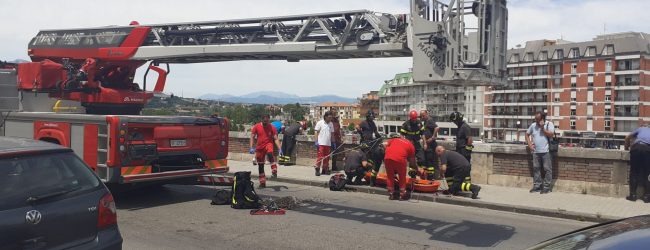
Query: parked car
50, 199
629, 234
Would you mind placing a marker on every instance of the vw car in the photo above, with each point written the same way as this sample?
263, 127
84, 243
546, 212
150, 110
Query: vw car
50, 199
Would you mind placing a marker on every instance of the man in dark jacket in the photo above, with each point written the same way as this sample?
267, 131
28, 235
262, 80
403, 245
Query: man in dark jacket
430, 135
412, 130
356, 165
455, 165
289, 140
639, 162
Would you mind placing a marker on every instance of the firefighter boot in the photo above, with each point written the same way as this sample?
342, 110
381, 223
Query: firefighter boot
404, 196
392, 195
475, 189
274, 171
262, 180
372, 181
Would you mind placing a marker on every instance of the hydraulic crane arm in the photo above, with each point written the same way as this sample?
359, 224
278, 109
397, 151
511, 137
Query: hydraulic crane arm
451, 42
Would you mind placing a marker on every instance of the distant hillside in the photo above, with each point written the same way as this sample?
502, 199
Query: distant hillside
273, 97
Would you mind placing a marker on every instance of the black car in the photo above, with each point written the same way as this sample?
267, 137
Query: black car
50, 199
629, 234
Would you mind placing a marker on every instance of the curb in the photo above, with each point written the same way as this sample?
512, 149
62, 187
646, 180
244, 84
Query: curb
467, 202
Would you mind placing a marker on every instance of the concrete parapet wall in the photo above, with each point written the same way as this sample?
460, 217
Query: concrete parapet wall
575, 170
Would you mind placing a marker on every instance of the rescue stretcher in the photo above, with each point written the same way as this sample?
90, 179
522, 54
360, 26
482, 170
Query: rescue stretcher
419, 185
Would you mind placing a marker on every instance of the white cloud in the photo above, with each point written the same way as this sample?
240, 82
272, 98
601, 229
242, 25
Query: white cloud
529, 20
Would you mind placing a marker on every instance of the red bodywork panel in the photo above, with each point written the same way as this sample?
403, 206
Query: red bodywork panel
99, 75
90, 145
49, 131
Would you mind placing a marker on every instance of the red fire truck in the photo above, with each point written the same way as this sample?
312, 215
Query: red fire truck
89, 75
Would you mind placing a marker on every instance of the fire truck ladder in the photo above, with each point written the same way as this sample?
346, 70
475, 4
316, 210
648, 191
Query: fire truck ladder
445, 45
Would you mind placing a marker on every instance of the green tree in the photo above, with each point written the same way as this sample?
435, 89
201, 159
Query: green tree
351, 126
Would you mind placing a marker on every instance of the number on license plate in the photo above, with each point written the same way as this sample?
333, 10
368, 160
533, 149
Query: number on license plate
177, 143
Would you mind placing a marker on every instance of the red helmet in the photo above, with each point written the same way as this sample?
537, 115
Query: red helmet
413, 115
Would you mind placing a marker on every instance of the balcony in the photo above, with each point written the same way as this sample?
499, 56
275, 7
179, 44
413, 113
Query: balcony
399, 93
627, 114
627, 83
626, 99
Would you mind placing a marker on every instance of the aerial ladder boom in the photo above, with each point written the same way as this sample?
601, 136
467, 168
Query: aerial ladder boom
455, 42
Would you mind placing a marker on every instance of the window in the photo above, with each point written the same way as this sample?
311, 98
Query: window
529, 57
590, 125
608, 111
574, 68
608, 125
543, 56
590, 96
573, 112
608, 66
590, 68
590, 81
515, 58
574, 53
591, 51
590, 110
573, 96
608, 80
608, 50
608, 98
573, 124
559, 54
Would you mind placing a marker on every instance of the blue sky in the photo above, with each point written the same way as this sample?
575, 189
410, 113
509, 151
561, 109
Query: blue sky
573, 20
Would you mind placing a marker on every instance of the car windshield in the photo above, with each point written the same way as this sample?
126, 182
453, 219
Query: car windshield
602, 235
32, 178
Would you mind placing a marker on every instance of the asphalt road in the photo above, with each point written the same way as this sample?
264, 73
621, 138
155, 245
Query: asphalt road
181, 217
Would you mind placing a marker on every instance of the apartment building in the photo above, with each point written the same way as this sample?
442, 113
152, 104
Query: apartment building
346, 110
401, 94
595, 92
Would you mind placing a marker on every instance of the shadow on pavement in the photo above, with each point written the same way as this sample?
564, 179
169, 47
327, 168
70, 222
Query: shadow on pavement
467, 233
154, 196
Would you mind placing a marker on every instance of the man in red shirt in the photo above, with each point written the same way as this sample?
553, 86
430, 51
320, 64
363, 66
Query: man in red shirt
266, 135
399, 153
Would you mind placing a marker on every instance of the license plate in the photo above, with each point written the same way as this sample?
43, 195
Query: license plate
178, 143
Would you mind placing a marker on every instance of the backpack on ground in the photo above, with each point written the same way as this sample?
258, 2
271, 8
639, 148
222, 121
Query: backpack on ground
337, 182
243, 192
222, 197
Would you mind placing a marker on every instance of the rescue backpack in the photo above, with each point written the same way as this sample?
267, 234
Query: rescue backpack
337, 182
243, 192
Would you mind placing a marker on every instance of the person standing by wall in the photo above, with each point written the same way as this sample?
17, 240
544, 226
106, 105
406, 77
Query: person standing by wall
430, 135
412, 130
337, 139
370, 140
289, 140
537, 138
266, 136
324, 129
639, 162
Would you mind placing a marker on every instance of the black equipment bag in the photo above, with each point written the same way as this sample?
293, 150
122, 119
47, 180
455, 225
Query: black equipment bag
243, 192
222, 197
337, 182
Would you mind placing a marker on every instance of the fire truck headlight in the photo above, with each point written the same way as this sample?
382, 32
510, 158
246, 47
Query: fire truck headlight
122, 148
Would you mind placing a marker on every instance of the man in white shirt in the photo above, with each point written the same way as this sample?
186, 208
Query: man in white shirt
324, 129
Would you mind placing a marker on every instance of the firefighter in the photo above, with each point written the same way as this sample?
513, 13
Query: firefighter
412, 130
464, 143
430, 135
267, 137
370, 141
456, 167
289, 140
399, 153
